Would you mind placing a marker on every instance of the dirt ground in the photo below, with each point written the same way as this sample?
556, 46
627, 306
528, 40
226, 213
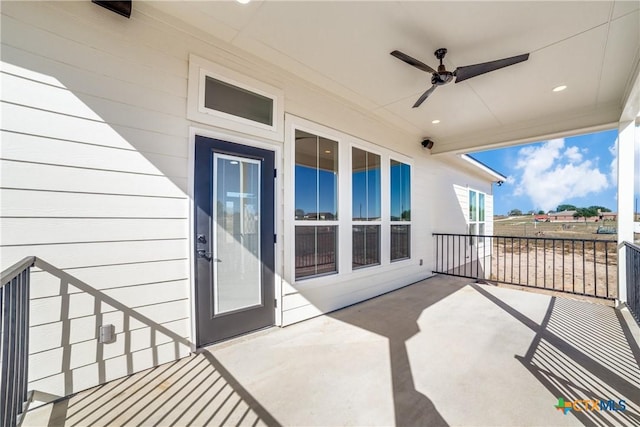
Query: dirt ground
581, 267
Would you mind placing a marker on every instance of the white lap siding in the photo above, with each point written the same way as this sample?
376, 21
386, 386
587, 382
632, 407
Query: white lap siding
94, 182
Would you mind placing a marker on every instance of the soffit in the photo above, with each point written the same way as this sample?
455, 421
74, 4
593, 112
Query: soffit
343, 47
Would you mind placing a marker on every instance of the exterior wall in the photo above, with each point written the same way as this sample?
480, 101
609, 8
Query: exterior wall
95, 168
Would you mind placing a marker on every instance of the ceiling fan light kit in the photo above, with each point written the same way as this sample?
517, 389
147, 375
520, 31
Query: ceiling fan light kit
442, 77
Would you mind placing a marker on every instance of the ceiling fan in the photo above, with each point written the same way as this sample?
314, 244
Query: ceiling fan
442, 76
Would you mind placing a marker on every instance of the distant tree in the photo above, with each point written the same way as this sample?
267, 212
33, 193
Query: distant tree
515, 212
585, 213
601, 208
561, 208
531, 212
541, 212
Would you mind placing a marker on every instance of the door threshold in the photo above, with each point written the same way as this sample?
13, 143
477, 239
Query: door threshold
237, 338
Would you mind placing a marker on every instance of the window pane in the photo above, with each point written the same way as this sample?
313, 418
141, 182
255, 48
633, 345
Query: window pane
400, 242
373, 187
366, 245
316, 250
365, 185
328, 179
473, 207
230, 99
480, 207
316, 177
400, 191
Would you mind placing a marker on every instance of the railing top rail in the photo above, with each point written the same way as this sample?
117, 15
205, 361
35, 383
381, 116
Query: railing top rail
10, 273
632, 246
562, 239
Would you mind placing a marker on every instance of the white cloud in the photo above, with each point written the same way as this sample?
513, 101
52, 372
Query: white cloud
613, 174
573, 154
552, 174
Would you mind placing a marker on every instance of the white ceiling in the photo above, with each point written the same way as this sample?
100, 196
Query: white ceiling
592, 47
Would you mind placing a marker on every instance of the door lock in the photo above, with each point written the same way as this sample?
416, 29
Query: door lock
204, 254
202, 238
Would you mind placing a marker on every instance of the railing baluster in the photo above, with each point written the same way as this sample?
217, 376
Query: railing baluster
503, 247
584, 269
595, 271
14, 351
633, 279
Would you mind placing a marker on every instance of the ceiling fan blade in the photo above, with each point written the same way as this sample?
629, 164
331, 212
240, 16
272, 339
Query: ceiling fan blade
412, 61
424, 96
466, 72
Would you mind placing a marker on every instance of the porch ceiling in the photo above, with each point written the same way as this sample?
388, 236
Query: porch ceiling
591, 47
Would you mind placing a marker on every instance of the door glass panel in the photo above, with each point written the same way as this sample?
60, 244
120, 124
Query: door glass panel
237, 265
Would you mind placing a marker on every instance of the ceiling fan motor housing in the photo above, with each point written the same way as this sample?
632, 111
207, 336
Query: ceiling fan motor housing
441, 78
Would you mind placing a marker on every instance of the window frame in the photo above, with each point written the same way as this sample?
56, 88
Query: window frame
344, 208
400, 222
200, 69
477, 222
361, 222
315, 222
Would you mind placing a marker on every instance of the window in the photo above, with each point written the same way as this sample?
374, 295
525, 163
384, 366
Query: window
316, 205
476, 214
349, 210
400, 177
229, 99
366, 207
222, 97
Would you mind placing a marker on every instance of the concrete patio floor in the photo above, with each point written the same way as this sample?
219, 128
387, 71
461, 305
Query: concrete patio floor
439, 352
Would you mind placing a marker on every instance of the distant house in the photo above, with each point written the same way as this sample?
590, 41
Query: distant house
563, 216
608, 216
568, 216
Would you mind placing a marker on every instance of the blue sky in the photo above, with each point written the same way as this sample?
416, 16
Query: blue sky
578, 170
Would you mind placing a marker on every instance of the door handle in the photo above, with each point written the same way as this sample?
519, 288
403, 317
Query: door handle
207, 255
204, 254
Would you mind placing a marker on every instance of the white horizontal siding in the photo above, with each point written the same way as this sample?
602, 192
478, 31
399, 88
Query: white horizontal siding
74, 255
74, 205
93, 179
34, 176
36, 231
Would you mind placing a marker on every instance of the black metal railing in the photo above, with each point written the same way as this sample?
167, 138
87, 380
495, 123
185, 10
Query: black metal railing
14, 345
633, 279
577, 266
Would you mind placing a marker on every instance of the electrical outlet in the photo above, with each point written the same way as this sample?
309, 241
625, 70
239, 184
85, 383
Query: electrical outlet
107, 334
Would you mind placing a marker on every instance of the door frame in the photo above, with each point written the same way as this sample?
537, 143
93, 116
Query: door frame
251, 141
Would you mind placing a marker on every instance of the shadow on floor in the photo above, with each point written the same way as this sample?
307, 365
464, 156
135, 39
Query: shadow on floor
581, 355
401, 310
196, 390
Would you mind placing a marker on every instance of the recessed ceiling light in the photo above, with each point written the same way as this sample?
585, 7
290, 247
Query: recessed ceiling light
243, 1
435, 122
559, 88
